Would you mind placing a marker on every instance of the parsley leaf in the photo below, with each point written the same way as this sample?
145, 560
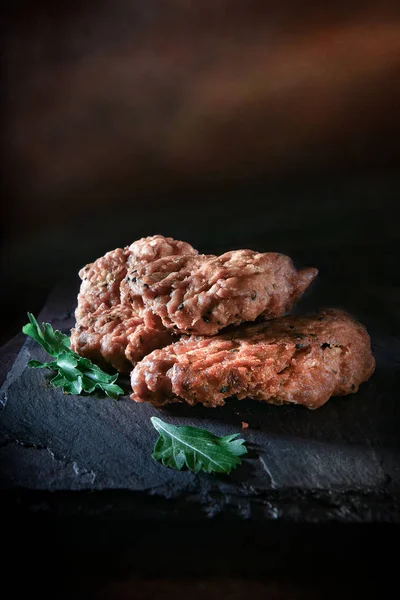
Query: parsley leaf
75, 374
198, 449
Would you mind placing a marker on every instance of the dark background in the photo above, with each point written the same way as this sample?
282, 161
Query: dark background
269, 125
264, 124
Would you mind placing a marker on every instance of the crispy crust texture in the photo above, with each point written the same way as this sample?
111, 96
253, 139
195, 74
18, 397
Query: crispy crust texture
144, 252
112, 328
118, 337
159, 287
201, 294
101, 282
298, 360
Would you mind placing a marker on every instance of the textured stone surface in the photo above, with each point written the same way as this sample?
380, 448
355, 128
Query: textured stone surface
341, 461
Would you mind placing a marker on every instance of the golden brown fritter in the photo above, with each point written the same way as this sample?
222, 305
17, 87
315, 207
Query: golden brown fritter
145, 251
101, 282
117, 336
102, 279
110, 327
299, 360
203, 294
159, 283
152, 248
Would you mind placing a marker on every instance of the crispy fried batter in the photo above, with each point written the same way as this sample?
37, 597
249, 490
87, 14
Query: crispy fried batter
111, 327
152, 248
101, 282
300, 360
203, 294
146, 251
117, 336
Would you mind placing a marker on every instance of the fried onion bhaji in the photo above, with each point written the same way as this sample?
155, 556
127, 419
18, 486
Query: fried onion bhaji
202, 294
118, 337
101, 282
109, 328
298, 360
146, 251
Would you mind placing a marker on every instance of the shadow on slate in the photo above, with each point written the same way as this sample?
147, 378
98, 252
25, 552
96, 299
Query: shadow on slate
341, 462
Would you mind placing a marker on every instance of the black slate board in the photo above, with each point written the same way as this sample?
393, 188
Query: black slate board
340, 462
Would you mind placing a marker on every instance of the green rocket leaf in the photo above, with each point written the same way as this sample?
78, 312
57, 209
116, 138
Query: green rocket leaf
75, 374
198, 449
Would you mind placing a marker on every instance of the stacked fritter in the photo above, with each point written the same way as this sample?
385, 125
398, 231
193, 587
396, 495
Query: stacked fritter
159, 306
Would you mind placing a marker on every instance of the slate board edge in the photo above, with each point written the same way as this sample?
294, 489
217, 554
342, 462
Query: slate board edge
315, 506
350, 506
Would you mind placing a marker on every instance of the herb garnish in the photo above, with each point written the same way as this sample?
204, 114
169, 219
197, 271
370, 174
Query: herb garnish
198, 449
75, 374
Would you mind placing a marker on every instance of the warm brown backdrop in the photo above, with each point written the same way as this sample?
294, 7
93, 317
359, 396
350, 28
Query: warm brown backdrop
128, 117
271, 125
